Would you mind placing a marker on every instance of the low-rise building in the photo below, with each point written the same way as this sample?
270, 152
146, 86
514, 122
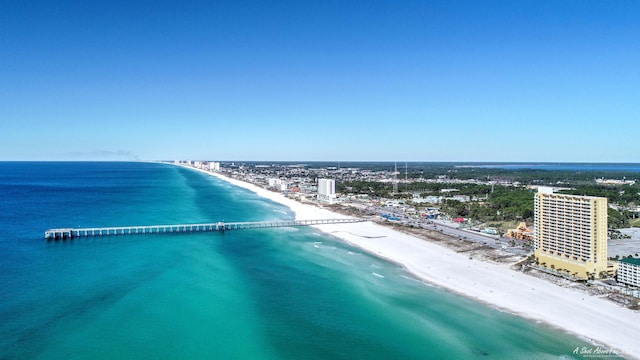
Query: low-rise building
428, 199
461, 198
629, 271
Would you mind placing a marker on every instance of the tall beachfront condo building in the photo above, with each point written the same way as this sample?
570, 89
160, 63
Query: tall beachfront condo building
571, 233
327, 190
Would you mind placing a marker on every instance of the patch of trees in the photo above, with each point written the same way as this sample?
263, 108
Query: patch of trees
619, 219
372, 188
504, 204
624, 195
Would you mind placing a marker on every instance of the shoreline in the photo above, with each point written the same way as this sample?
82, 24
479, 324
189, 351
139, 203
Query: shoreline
591, 318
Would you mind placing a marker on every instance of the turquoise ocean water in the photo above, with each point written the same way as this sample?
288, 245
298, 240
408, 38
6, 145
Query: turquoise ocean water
259, 294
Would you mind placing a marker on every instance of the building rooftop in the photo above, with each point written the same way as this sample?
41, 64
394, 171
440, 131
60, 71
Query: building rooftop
634, 261
561, 195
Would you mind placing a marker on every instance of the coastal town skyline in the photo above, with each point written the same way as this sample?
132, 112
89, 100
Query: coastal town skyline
358, 81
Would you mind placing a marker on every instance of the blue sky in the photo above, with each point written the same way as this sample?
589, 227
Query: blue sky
320, 80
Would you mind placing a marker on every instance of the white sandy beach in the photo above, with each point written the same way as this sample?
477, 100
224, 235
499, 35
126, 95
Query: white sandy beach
587, 316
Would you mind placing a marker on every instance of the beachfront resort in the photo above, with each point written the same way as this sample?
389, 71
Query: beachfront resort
531, 281
568, 241
571, 234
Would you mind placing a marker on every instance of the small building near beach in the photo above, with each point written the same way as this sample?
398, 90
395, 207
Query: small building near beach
629, 271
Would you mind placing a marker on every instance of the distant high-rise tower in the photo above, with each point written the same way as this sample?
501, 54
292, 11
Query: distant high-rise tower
571, 233
395, 177
406, 171
327, 190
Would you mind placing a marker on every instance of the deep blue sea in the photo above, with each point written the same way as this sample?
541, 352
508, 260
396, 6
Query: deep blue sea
258, 294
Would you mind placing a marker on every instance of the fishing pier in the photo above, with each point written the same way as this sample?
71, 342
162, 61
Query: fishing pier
70, 233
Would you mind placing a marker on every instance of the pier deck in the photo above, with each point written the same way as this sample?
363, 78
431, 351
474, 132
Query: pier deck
70, 233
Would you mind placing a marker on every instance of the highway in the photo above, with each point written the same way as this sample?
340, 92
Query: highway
452, 229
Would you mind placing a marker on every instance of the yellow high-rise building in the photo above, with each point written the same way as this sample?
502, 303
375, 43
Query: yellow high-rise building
571, 233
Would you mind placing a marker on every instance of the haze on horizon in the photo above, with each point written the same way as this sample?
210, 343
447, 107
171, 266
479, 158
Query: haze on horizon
500, 81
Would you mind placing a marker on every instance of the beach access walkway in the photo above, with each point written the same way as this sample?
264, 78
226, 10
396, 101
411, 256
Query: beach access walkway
70, 233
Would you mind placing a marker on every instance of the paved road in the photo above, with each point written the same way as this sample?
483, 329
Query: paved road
453, 230
480, 238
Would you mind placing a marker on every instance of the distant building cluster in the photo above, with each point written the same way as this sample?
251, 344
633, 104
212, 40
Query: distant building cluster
278, 184
604, 181
202, 165
432, 199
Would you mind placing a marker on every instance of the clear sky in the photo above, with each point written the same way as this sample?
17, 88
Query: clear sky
555, 80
